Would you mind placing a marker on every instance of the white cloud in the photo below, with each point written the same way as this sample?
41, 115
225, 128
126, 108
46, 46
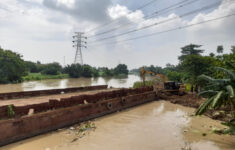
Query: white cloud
44, 33
68, 3
119, 11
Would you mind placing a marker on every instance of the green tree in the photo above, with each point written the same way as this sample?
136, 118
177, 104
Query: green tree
31, 67
74, 70
52, 69
220, 49
95, 72
107, 72
121, 69
12, 67
233, 49
87, 71
175, 76
212, 54
195, 65
191, 49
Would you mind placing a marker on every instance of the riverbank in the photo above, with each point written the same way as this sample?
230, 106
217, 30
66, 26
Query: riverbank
194, 101
39, 76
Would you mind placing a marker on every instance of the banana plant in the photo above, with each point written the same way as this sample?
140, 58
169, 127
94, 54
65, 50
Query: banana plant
219, 92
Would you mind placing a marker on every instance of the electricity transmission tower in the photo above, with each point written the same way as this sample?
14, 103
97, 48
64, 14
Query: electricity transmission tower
78, 43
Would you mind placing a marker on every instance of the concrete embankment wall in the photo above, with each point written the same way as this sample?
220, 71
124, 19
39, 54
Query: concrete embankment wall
7, 96
68, 102
19, 128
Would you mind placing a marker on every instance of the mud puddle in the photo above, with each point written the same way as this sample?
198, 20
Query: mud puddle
153, 126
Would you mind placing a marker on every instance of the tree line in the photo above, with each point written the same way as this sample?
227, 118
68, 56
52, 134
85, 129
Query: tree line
13, 68
193, 63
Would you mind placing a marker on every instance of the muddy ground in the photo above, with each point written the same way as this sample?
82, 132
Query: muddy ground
194, 101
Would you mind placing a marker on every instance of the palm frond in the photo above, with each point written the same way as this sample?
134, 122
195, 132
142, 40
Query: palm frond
212, 86
208, 93
229, 72
217, 98
231, 65
222, 81
203, 107
230, 90
206, 78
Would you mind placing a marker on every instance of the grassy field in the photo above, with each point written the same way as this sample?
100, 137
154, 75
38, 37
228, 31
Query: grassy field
39, 76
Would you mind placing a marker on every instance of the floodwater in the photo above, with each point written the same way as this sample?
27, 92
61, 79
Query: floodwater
157, 125
65, 83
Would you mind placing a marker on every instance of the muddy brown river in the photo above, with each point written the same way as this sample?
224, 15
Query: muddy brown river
157, 125
65, 83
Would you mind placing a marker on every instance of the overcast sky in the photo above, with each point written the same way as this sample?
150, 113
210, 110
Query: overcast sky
41, 30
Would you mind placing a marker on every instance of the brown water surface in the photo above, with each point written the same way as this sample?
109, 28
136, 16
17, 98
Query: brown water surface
66, 83
153, 126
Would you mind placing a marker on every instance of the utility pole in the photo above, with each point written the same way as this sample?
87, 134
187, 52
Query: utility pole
64, 61
78, 43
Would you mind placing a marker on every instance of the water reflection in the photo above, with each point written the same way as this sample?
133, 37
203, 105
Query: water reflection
64, 83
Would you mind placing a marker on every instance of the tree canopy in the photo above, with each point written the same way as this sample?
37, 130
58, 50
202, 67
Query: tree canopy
121, 69
12, 67
190, 49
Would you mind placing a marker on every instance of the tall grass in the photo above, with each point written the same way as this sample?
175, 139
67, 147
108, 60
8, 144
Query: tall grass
139, 84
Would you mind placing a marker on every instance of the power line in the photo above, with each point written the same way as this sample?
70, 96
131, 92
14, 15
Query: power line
147, 4
107, 23
171, 7
157, 23
154, 14
173, 29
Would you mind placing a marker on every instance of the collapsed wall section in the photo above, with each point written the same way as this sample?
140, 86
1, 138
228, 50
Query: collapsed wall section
68, 102
64, 114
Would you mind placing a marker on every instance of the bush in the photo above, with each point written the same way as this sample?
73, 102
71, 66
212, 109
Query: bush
74, 70
12, 67
120, 69
87, 71
139, 84
52, 69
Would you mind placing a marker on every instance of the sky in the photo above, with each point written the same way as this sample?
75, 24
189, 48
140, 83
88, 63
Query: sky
42, 30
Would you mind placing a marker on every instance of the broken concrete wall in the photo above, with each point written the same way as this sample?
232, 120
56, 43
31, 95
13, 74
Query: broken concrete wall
71, 101
19, 128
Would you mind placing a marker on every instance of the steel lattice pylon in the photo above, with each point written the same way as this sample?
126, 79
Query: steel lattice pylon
78, 43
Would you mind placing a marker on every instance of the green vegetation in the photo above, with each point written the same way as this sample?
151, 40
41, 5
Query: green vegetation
39, 76
76, 71
52, 69
12, 67
219, 93
10, 111
120, 71
140, 84
192, 63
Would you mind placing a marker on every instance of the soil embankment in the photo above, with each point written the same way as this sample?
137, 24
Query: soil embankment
194, 101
